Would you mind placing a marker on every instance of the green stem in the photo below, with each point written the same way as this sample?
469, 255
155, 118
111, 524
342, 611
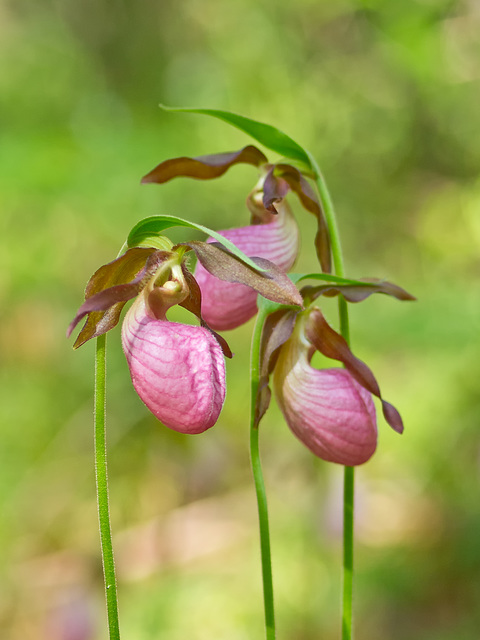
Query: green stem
349, 475
348, 494
260, 486
102, 490
336, 246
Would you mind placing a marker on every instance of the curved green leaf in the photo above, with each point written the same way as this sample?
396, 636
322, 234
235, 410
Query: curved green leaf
269, 136
327, 277
154, 225
268, 307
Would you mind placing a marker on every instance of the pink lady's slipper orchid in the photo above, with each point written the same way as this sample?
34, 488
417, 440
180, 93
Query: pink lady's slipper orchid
325, 408
177, 369
330, 410
276, 238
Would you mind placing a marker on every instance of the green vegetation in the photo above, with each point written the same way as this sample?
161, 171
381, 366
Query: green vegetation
385, 94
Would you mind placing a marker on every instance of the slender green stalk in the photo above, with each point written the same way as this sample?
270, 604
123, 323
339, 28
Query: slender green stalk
349, 475
348, 494
102, 490
260, 486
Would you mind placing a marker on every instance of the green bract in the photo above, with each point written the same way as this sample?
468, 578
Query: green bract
269, 136
150, 228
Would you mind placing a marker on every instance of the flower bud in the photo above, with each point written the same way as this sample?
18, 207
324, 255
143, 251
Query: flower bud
327, 409
225, 305
178, 370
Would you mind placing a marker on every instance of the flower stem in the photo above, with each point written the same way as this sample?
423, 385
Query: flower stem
102, 489
260, 486
349, 475
348, 494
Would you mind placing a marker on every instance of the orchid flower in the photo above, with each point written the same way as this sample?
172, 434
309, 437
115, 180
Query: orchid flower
330, 410
274, 237
177, 369
327, 409
273, 233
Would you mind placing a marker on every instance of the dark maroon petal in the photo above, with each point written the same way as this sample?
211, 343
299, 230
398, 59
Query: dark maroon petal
274, 190
279, 180
111, 287
193, 303
332, 345
120, 271
272, 283
277, 329
105, 299
204, 167
356, 293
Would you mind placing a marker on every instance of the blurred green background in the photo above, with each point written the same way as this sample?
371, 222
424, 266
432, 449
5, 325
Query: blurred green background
386, 95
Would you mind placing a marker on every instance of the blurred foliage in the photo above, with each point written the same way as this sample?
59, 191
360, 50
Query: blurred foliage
385, 94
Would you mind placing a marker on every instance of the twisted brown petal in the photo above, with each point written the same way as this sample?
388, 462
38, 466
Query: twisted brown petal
332, 345
204, 167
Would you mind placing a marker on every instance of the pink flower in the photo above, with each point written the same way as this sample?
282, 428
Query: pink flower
327, 409
226, 305
177, 370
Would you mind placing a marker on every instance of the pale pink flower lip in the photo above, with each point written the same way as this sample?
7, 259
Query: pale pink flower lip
177, 370
226, 305
327, 409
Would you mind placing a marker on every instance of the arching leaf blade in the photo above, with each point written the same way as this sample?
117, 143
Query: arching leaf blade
154, 225
266, 134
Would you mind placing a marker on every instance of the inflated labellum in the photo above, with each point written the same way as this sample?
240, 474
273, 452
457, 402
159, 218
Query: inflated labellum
329, 412
177, 370
230, 302
327, 409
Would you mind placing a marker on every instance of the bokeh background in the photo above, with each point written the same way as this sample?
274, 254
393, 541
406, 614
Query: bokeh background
386, 95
